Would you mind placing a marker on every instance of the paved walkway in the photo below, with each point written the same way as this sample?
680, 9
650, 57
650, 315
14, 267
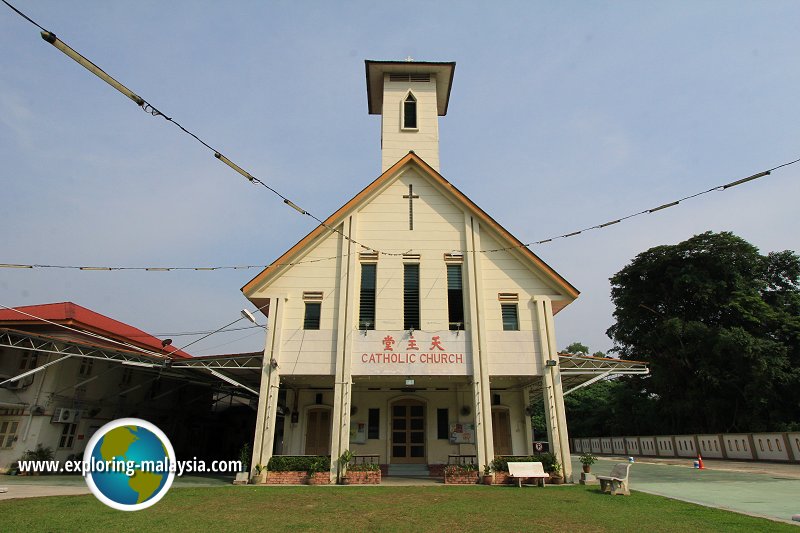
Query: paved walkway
18, 490
769, 490
37, 486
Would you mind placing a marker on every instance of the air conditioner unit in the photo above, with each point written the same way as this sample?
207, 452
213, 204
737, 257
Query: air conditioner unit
66, 415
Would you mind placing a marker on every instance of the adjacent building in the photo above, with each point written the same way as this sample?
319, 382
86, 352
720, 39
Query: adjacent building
66, 370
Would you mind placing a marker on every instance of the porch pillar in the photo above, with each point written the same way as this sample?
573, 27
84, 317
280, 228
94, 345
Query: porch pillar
526, 401
343, 388
270, 383
481, 388
557, 435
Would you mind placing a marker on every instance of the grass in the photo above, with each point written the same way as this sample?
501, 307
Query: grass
468, 508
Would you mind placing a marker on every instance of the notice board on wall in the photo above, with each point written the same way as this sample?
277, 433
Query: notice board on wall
462, 433
358, 433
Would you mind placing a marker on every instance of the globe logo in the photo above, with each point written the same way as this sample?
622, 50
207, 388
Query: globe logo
130, 464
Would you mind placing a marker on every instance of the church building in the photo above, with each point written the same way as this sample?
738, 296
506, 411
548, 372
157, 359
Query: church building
410, 326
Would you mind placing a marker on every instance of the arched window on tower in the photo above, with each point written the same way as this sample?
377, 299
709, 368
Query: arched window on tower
410, 112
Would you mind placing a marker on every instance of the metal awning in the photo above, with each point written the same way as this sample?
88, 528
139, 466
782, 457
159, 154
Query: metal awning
238, 374
579, 371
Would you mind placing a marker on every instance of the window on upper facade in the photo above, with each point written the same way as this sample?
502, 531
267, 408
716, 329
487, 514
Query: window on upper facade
455, 298
86, 367
411, 297
366, 310
8, 433
67, 436
28, 360
410, 112
312, 315
510, 317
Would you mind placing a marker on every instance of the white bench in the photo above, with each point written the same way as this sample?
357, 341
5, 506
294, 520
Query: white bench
520, 471
617, 481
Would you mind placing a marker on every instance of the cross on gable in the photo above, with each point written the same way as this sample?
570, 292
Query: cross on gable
411, 196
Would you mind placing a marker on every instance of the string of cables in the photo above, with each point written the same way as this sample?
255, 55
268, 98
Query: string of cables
146, 106
604, 225
133, 347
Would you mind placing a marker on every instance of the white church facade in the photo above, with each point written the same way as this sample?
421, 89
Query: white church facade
397, 329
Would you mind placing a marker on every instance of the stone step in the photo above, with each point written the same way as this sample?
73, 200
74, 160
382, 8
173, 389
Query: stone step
413, 470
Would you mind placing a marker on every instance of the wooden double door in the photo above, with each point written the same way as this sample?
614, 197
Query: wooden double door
501, 431
408, 432
318, 432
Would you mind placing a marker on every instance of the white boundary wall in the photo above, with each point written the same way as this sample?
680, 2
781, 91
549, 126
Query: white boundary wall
779, 447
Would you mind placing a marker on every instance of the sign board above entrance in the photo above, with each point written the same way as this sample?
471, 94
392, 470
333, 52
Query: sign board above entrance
438, 353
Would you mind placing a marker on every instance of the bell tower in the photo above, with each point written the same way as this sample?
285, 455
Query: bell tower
410, 96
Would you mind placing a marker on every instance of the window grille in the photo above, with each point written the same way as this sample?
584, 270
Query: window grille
312, 315
366, 311
411, 297
455, 298
510, 317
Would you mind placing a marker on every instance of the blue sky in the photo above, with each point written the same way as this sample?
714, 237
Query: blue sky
563, 115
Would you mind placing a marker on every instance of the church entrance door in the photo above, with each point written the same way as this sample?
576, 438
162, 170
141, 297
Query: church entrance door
408, 432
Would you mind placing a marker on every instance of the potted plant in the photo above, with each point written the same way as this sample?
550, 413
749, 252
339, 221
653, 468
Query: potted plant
487, 477
587, 460
39, 454
258, 476
244, 465
555, 474
344, 462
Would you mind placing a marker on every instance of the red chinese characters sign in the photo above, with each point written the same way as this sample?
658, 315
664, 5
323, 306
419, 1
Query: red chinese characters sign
402, 353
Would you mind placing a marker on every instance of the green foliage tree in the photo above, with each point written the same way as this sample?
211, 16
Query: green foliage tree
576, 348
591, 410
719, 325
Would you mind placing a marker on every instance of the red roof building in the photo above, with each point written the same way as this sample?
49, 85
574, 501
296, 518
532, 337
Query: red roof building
47, 319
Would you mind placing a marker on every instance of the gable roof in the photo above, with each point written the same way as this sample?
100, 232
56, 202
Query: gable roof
412, 159
77, 317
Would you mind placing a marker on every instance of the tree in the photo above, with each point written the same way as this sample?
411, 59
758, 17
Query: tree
576, 348
719, 325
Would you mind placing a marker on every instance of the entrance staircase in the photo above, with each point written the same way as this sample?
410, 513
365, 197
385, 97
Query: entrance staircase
413, 470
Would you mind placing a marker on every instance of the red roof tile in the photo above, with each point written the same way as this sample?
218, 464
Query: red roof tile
75, 316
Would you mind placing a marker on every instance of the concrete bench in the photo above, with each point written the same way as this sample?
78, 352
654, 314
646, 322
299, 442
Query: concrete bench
617, 481
520, 471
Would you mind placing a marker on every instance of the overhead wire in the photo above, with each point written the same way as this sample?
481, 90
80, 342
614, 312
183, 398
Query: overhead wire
604, 225
88, 333
147, 107
152, 110
667, 205
125, 344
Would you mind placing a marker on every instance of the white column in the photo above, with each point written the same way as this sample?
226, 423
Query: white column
551, 379
481, 393
526, 401
270, 383
343, 389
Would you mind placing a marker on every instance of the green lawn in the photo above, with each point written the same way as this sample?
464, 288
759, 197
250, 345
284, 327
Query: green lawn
441, 508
